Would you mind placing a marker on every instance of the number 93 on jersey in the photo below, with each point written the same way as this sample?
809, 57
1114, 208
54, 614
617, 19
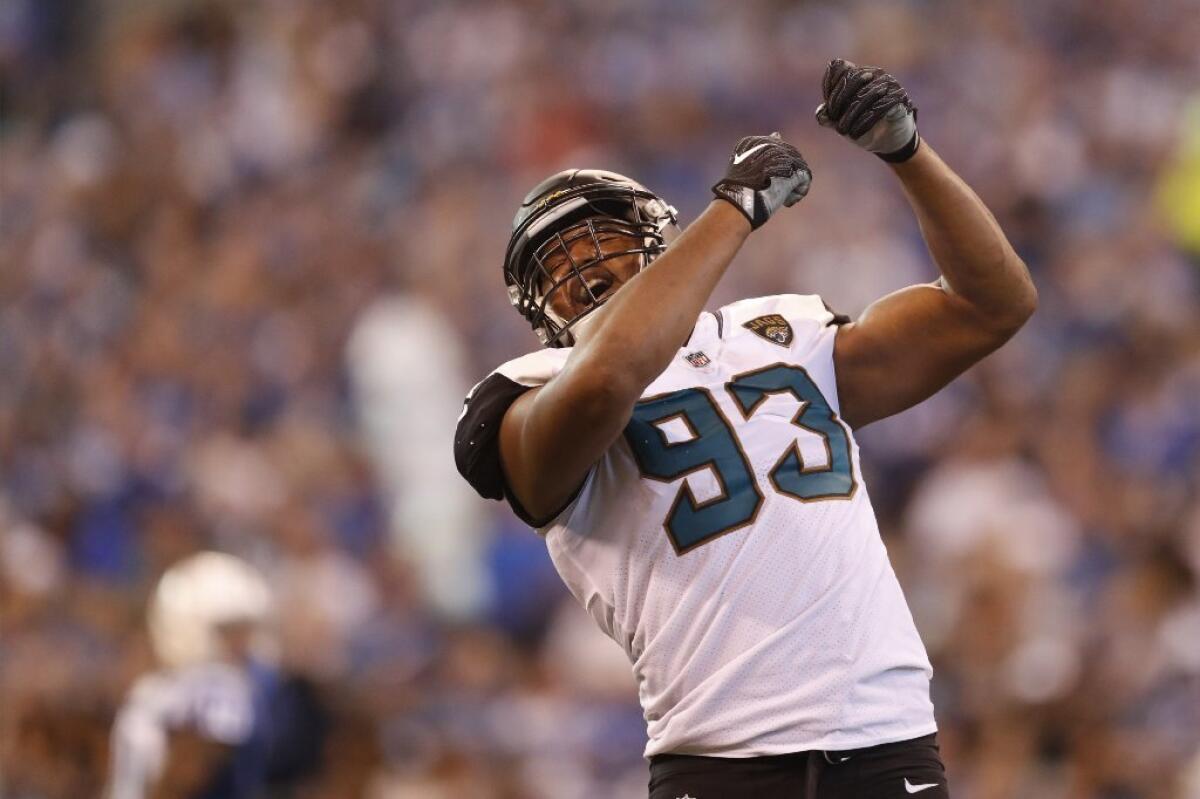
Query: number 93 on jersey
682, 433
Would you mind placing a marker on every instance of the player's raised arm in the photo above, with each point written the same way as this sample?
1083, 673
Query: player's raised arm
551, 436
911, 343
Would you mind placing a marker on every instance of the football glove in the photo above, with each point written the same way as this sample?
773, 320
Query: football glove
765, 173
869, 107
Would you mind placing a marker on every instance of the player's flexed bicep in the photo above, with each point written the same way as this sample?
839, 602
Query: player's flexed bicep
905, 347
911, 343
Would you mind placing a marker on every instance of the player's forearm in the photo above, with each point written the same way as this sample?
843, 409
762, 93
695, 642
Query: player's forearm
551, 437
645, 323
975, 258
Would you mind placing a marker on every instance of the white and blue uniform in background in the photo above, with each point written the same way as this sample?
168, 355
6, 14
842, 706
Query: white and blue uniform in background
218, 702
727, 543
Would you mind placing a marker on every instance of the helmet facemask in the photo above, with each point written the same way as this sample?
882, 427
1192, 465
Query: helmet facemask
583, 268
590, 213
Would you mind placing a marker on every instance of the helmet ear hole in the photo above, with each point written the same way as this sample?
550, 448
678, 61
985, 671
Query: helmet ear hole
670, 233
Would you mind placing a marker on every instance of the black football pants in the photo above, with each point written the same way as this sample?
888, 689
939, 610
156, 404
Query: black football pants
900, 770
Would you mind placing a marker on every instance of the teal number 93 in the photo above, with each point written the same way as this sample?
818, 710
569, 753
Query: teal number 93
711, 443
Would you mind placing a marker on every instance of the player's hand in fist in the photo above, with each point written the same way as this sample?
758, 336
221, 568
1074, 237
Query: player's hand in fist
869, 107
765, 173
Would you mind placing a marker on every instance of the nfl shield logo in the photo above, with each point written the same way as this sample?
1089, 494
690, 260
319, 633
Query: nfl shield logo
698, 359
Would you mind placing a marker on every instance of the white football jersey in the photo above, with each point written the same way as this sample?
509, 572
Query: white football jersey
213, 700
727, 543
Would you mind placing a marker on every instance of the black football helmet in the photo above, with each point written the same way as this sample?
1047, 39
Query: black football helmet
564, 208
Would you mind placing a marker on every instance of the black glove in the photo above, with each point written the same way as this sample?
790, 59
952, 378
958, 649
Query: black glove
765, 173
869, 107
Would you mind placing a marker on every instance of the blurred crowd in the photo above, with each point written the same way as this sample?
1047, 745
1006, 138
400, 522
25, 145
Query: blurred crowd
250, 263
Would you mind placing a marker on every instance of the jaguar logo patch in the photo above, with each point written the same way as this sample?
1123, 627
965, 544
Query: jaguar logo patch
773, 327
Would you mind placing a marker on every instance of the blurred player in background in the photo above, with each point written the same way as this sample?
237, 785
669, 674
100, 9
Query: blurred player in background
705, 502
207, 723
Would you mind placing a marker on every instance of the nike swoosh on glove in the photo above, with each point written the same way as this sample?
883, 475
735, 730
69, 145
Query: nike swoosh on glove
871, 108
765, 174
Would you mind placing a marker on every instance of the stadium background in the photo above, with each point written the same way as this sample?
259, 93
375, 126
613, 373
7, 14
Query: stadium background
250, 262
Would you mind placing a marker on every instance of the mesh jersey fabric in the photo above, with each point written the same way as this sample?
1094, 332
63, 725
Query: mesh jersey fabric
785, 633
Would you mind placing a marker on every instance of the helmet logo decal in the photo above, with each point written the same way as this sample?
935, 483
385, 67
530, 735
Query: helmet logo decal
549, 198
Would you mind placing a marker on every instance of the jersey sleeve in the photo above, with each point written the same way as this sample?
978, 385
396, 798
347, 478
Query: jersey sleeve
477, 439
836, 319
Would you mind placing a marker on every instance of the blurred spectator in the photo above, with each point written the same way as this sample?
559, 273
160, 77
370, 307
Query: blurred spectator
251, 262
409, 380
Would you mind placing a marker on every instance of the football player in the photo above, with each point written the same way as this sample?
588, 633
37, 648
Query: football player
195, 728
695, 475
